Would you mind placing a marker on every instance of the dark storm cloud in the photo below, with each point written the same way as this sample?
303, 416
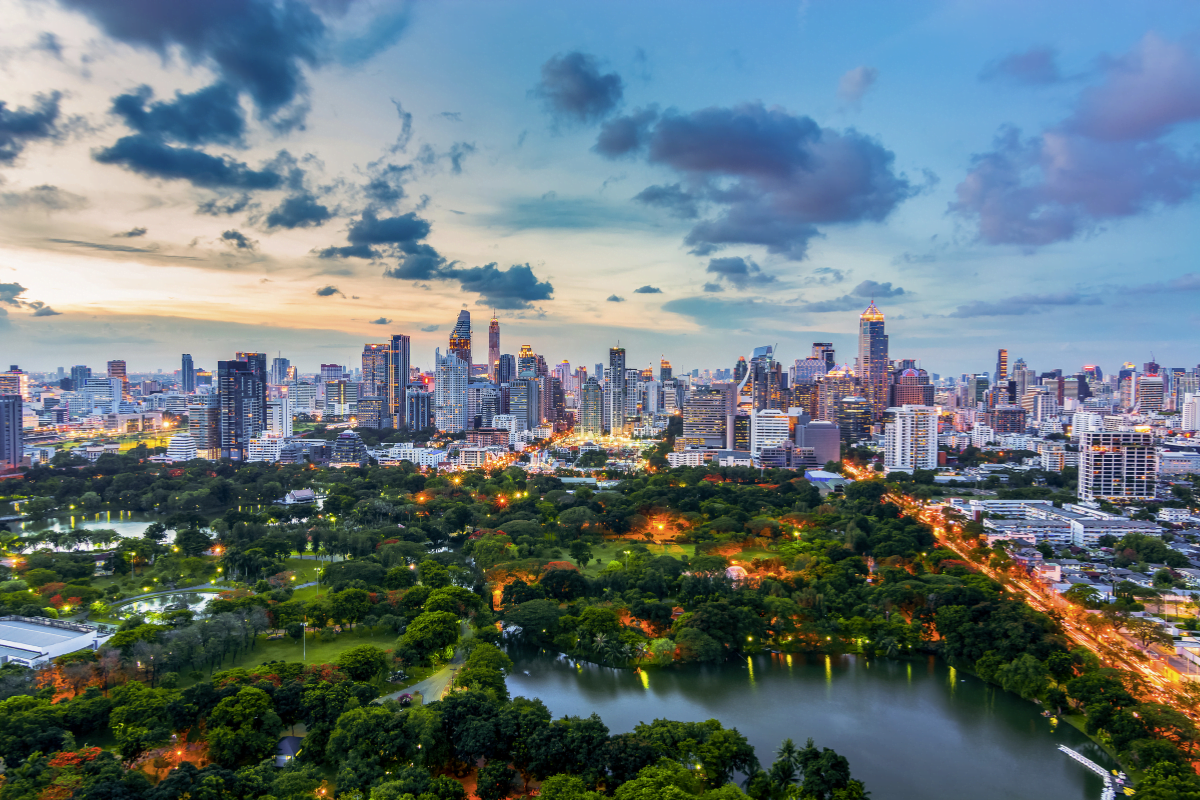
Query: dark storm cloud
43, 198
381, 321
1111, 158
1037, 66
612, 298
741, 272
132, 233
647, 289
238, 240
514, 288
211, 115
328, 291
257, 46
1022, 304
301, 210
622, 136
224, 205
775, 177
9, 293
572, 88
22, 125
856, 298
372, 236
154, 159
672, 198
385, 184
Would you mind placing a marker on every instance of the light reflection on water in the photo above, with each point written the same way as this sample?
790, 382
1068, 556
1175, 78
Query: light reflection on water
910, 734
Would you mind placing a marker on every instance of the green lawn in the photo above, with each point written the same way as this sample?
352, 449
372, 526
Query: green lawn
615, 551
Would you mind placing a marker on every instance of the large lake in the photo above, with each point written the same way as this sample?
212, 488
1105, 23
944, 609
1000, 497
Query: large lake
913, 730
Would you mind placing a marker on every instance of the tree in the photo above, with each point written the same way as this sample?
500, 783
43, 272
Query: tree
826, 775
433, 574
243, 728
495, 781
350, 605
431, 632
485, 670
581, 552
363, 663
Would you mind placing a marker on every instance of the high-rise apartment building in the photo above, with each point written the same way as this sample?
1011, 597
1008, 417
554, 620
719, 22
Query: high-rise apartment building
873, 366
187, 374
1190, 411
242, 407
911, 387
1117, 466
279, 417
396, 393
79, 376
1001, 374
704, 418
493, 346
616, 387
15, 382
525, 402
450, 392
664, 370
506, 368
854, 419
591, 409
279, 370
12, 442
332, 372
910, 439
839, 382
823, 351
460, 338
258, 365
116, 369
770, 428
1150, 394
375, 369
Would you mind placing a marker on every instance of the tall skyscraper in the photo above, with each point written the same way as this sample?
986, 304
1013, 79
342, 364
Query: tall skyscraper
873, 364
616, 385
187, 374
12, 443
116, 369
1001, 374
591, 409
824, 352
525, 402
79, 376
493, 345
854, 419
374, 369
450, 392
506, 368
704, 418
397, 384
15, 382
910, 439
526, 362
279, 370
258, 365
664, 370
242, 407
1117, 466
460, 338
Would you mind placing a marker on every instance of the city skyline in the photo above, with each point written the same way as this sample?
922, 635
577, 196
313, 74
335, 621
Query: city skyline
366, 176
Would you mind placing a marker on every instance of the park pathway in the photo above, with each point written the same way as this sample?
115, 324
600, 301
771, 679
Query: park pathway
433, 687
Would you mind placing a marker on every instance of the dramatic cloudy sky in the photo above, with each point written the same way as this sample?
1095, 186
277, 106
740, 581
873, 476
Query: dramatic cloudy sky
688, 178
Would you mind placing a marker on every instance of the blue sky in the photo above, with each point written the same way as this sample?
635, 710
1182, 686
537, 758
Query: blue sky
691, 179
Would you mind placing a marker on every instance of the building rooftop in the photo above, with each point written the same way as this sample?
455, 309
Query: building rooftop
38, 635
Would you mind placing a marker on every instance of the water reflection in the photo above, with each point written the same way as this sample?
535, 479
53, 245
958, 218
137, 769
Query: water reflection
192, 601
905, 734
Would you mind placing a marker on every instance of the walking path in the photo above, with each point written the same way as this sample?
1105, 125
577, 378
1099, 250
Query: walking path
433, 687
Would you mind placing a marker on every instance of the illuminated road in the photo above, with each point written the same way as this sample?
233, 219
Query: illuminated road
1111, 653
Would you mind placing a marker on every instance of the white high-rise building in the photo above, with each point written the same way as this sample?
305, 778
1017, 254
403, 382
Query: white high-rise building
910, 439
279, 416
1150, 394
182, 447
450, 392
264, 448
1117, 466
769, 428
1085, 421
1190, 409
